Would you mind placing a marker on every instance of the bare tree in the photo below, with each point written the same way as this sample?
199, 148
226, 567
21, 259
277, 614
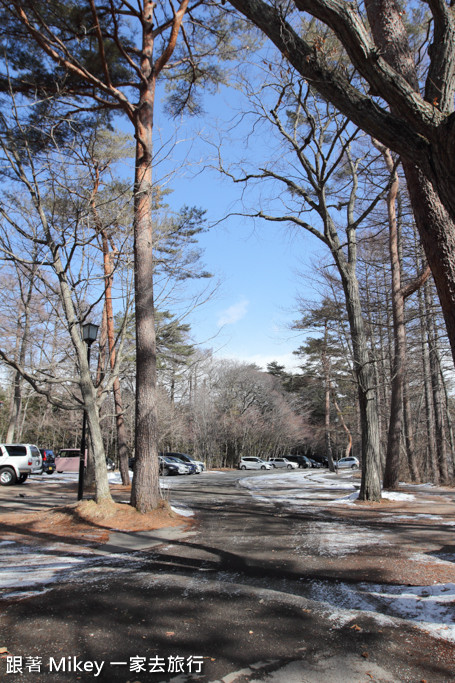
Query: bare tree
406, 105
399, 294
110, 59
317, 181
47, 230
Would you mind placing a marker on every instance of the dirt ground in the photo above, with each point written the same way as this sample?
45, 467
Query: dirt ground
85, 522
250, 586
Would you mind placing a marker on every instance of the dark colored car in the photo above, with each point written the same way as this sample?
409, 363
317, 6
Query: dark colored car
167, 467
48, 461
190, 466
301, 460
188, 460
171, 466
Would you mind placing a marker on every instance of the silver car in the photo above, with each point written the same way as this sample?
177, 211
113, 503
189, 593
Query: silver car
17, 461
283, 462
350, 462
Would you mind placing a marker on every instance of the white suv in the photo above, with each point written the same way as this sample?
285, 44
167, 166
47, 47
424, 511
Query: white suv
17, 461
283, 462
251, 463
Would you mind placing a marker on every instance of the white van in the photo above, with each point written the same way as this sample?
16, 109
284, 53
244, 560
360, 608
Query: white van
252, 463
17, 461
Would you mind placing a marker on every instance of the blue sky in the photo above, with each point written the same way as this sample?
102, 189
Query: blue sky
257, 262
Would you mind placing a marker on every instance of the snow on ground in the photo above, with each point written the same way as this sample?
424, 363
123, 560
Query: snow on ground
182, 510
335, 539
293, 488
28, 566
431, 608
297, 488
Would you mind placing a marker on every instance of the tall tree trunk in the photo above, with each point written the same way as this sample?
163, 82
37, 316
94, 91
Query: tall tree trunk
431, 463
122, 446
408, 434
145, 489
102, 492
397, 416
449, 422
348, 449
327, 386
392, 467
436, 389
371, 455
22, 341
377, 360
420, 123
14, 408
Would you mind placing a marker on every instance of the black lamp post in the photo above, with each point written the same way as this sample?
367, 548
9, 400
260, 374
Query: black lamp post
89, 332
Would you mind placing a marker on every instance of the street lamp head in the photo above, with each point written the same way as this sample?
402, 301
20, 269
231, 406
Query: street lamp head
89, 332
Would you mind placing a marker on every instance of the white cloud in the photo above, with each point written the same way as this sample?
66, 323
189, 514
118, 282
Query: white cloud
234, 313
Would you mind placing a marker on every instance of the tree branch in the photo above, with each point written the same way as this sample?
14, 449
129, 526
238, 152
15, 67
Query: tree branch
382, 78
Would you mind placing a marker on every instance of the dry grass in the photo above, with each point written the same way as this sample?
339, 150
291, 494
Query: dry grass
86, 521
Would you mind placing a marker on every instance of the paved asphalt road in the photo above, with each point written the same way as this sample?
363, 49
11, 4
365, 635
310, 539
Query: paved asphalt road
244, 596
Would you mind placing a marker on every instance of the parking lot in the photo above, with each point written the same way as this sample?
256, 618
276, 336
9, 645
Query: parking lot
286, 558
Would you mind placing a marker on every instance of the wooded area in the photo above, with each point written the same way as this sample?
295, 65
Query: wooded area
357, 107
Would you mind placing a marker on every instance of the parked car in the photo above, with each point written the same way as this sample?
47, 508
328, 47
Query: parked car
48, 461
252, 463
314, 463
200, 467
166, 467
68, 460
301, 460
17, 461
350, 462
190, 466
283, 462
173, 466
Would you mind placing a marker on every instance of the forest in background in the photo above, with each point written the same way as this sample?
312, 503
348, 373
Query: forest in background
376, 370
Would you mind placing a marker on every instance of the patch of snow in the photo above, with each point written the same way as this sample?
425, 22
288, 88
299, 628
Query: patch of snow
116, 477
442, 558
183, 511
429, 608
337, 539
346, 500
295, 489
416, 516
24, 566
396, 495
